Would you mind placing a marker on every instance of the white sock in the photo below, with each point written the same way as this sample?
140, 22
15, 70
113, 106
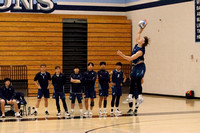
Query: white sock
81, 110
130, 95
46, 109
36, 109
104, 109
72, 110
139, 96
100, 109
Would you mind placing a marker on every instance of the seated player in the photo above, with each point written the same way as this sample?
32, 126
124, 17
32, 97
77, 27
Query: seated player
58, 81
104, 80
90, 87
118, 79
7, 95
76, 90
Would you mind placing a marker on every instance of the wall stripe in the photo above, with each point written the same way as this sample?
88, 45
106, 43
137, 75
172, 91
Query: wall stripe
154, 4
119, 9
61, 7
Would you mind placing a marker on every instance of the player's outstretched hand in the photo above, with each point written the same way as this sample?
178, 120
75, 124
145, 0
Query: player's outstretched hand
119, 53
145, 23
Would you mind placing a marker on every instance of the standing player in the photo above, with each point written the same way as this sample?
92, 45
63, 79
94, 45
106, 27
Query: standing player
104, 80
7, 95
58, 81
138, 69
90, 87
43, 82
118, 79
76, 90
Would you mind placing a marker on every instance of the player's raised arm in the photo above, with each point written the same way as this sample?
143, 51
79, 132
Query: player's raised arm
130, 58
140, 31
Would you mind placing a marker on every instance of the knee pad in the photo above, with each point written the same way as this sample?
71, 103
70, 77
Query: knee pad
79, 101
92, 104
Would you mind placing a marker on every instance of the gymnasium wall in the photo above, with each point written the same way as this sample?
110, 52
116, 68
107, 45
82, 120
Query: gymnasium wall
32, 39
171, 69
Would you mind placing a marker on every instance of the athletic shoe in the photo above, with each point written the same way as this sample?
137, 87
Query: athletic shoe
35, 113
71, 113
118, 112
100, 112
46, 113
3, 116
130, 111
17, 115
105, 112
58, 114
139, 101
90, 112
81, 113
66, 113
111, 113
135, 112
128, 100
86, 113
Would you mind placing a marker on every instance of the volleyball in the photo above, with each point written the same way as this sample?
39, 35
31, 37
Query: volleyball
142, 24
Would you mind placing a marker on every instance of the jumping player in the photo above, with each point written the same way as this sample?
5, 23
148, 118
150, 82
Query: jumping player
58, 81
118, 79
76, 90
138, 69
90, 87
104, 80
43, 82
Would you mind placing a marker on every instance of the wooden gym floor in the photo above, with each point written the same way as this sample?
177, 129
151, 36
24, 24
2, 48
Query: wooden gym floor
156, 115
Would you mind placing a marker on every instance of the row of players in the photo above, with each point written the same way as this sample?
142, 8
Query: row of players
79, 82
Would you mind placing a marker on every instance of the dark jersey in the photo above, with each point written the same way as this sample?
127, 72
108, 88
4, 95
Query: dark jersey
135, 50
117, 77
43, 79
89, 80
104, 79
7, 93
58, 82
76, 87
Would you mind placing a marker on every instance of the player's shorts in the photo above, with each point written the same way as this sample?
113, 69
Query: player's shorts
138, 70
7, 100
116, 90
56, 95
43, 92
90, 94
103, 91
73, 96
